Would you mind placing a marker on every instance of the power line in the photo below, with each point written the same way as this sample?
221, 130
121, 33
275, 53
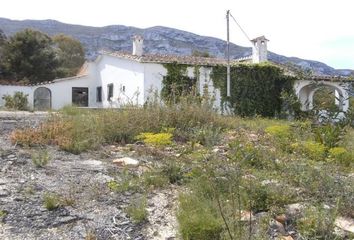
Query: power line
243, 31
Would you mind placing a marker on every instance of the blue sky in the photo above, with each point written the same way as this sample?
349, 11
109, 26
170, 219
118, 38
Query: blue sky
320, 30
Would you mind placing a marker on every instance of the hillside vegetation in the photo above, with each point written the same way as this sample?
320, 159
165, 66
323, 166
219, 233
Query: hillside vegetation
238, 178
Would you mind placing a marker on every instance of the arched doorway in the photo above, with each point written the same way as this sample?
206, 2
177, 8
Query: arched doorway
42, 99
328, 92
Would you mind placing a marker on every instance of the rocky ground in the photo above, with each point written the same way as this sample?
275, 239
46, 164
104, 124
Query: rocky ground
88, 209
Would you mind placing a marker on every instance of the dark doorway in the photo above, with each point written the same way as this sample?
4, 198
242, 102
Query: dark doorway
42, 99
80, 96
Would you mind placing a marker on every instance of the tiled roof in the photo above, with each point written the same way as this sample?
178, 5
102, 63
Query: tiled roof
157, 58
330, 78
12, 83
262, 38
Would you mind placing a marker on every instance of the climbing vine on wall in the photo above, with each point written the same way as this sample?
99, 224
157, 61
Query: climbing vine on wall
176, 82
256, 89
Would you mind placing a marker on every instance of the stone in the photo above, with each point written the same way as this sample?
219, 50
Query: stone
92, 162
247, 216
295, 209
277, 227
4, 192
11, 156
126, 161
268, 182
253, 137
249, 177
286, 238
281, 218
344, 223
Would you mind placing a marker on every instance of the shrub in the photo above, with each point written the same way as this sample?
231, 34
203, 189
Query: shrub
279, 131
18, 101
41, 158
341, 155
128, 182
51, 201
155, 179
328, 134
197, 220
156, 139
137, 210
264, 197
207, 135
315, 150
173, 171
317, 223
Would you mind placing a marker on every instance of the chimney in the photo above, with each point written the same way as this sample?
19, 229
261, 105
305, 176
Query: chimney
259, 49
138, 45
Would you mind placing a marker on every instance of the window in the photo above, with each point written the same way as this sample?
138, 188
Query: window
99, 94
80, 96
110, 92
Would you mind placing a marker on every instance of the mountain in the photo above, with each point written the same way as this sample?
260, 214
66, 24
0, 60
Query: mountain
162, 40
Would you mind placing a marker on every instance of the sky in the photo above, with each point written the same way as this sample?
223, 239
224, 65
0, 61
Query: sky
321, 30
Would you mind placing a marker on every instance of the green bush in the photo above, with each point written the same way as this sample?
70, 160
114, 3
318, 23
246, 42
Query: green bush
196, 219
18, 101
328, 134
173, 171
317, 223
51, 201
279, 131
261, 197
155, 179
137, 210
127, 182
341, 155
315, 150
156, 139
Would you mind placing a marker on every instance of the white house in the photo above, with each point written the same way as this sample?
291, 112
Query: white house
116, 78
113, 79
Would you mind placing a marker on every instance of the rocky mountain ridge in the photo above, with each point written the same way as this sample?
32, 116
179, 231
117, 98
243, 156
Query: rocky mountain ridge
158, 39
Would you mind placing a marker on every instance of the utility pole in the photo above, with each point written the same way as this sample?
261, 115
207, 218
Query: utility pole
228, 54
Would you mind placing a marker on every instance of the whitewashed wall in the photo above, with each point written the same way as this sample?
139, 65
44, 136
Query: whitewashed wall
120, 72
154, 74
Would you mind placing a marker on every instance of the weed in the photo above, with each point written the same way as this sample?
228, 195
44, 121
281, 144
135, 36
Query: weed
90, 235
3, 213
173, 171
317, 223
198, 219
127, 182
51, 201
137, 210
155, 179
41, 158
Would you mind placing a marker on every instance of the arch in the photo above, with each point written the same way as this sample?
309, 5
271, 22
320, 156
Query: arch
42, 99
306, 89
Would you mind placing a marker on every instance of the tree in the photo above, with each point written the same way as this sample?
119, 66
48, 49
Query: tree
70, 54
29, 55
3, 40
